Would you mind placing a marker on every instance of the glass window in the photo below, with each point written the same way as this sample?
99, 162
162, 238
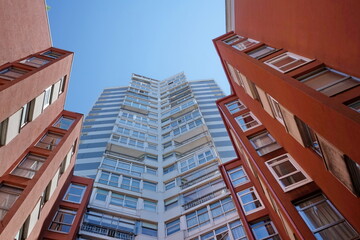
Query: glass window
123, 200
130, 184
247, 121
25, 114
287, 172
47, 97
250, 200
63, 123
149, 186
264, 143
12, 73
52, 54
236, 76
8, 196
310, 138
264, 229
197, 219
232, 39
34, 62
328, 81
276, 109
286, 62
63, 221
172, 227
238, 176
101, 195
222, 208
237, 230
74, 193
235, 106
170, 185
324, 220
355, 105
49, 141
62, 84
245, 44
170, 203
261, 52
170, 168
29, 166
149, 229
150, 205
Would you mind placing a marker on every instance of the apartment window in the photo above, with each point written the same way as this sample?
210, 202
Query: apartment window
237, 77
170, 168
264, 143
237, 230
25, 114
29, 166
170, 185
47, 97
130, 184
197, 219
232, 39
63, 221
261, 52
250, 200
150, 205
205, 157
264, 229
12, 73
171, 202
123, 200
74, 193
247, 121
355, 105
49, 141
238, 176
110, 179
276, 109
287, 172
62, 85
172, 227
310, 137
323, 219
64, 123
286, 62
149, 229
3, 131
52, 54
149, 186
328, 81
34, 62
245, 44
8, 196
101, 195
354, 172
222, 208
235, 106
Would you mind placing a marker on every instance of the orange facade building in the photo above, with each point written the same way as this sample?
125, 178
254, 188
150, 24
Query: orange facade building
38, 138
293, 117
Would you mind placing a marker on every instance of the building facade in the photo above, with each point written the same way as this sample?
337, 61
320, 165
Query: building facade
38, 138
293, 117
153, 149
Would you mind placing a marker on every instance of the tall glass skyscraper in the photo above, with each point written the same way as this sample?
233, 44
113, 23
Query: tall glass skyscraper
153, 149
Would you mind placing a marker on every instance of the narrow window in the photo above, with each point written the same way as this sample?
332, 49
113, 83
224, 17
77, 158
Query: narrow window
172, 227
247, 121
276, 109
264, 143
47, 97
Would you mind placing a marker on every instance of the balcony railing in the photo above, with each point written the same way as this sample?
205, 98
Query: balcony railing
107, 231
199, 179
203, 134
204, 198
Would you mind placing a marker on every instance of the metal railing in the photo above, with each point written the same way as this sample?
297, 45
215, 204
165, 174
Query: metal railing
107, 231
205, 198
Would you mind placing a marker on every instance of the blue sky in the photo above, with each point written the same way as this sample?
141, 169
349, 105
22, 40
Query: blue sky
156, 38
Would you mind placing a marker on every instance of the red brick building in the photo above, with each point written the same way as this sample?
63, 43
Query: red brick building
293, 117
38, 138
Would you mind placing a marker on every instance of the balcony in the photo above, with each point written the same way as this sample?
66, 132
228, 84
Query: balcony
133, 150
87, 227
192, 142
199, 179
205, 198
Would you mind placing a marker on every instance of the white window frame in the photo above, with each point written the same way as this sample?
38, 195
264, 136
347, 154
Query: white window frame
172, 224
243, 126
47, 97
78, 186
237, 169
283, 158
276, 59
63, 211
239, 106
271, 50
276, 109
241, 45
251, 190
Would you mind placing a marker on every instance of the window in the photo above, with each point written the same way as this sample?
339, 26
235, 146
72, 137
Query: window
52, 54
287, 172
26, 114
276, 109
62, 84
130, 184
355, 105
172, 227
11, 73
328, 81
264, 143
197, 219
149, 186
29, 166
250, 201
3, 131
170, 203
232, 39
222, 208
238, 176
286, 62
62, 221
354, 172
123, 200
8, 196
245, 44
323, 219
49, 141
101, 195
237, 77
170, 185
235, 106
261, 52
64, 123
247, 121
170, 168
150, 205
309, 136
237, 230
74, 193
149, 229
47, 97
264, 229
34, 62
